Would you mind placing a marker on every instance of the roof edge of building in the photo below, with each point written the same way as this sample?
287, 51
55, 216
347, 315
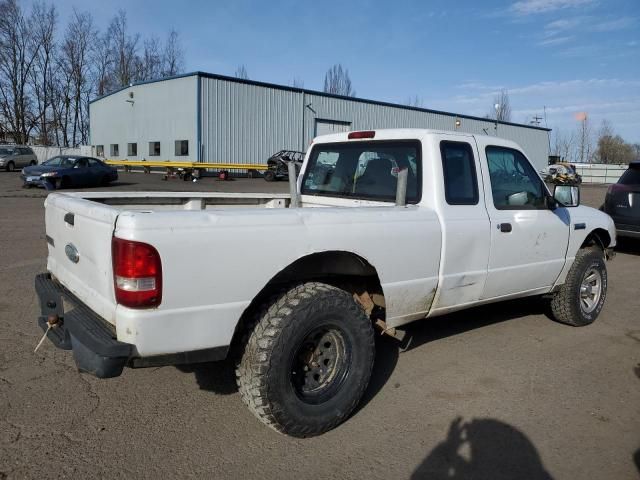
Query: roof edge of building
316, 92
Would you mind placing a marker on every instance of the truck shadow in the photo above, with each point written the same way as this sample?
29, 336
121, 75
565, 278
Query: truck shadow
630, 246
219, 377
482, 448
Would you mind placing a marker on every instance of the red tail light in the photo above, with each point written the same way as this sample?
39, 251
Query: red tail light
137, 273
362, 134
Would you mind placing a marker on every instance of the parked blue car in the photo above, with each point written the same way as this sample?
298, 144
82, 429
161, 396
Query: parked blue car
67, 171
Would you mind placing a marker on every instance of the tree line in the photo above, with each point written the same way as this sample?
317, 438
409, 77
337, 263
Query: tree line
586, 145
48, 75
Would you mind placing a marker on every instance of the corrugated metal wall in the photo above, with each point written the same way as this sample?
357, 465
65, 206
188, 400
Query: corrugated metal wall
245, 123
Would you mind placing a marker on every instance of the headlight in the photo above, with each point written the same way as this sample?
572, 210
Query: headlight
49, 174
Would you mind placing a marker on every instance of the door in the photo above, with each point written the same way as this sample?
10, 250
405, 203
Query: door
528, 239
325, 127
465, 225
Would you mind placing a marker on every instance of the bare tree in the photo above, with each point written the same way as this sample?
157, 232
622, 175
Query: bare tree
151, 63
102, 64
173, 56
338, 82
612, 148
584, 148
563, 145
297, 82
43, 22
241, 72
501, 108
124, 49
18, 53
414, 101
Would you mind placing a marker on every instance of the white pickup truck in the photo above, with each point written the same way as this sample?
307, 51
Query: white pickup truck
383, 228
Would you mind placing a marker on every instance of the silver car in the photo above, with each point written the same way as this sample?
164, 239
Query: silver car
16, 156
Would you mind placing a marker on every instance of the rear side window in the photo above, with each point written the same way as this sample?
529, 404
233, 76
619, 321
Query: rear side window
631, 176
364, 170
459, 168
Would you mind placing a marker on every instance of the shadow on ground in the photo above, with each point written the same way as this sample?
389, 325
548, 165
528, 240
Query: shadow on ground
482, 449
630, 246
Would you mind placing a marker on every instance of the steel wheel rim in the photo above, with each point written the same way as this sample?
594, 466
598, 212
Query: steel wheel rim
590, 290
320, 364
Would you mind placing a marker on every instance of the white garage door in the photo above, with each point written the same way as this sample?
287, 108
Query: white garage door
325, 127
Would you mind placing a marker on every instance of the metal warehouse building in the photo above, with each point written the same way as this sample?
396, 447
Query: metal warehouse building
211, 118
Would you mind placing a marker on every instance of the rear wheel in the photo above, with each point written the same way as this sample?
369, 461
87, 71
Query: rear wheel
32, 163
307, 361
270, 175
583, 294
10, 167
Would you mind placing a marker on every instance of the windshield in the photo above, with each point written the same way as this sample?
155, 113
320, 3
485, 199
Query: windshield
60, 162
365, 170
6, 151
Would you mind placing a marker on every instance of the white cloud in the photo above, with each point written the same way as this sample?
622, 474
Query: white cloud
614, 25
614, 99
554, 41
531, 7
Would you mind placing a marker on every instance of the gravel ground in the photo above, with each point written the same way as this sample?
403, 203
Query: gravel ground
494, 392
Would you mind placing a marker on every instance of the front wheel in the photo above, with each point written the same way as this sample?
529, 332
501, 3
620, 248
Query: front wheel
10, 167
270, 176
307, 361
581, 298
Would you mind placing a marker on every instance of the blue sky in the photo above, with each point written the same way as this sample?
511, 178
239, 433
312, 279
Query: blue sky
566, 55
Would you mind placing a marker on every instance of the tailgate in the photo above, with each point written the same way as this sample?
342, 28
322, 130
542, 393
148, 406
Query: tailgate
79, 235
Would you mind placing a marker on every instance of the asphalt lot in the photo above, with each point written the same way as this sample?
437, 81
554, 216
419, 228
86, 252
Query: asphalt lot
494, 392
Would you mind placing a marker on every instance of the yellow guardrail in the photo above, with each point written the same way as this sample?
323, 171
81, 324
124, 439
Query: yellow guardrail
185, 165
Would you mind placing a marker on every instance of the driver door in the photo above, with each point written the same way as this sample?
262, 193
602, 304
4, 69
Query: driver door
528, 240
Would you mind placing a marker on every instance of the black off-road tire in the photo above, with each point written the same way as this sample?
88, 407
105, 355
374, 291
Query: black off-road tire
10, 167
270, 176
266, 371
566, 304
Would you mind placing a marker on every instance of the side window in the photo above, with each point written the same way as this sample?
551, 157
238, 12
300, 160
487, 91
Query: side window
514, 183
82, 163
460, 180
93, 162
154, 149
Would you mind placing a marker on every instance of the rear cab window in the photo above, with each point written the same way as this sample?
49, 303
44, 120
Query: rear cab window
363, 170
459, 171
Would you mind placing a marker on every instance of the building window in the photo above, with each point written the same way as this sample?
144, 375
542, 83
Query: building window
154, 149
132, 149
115, 150
100, 151
182, 147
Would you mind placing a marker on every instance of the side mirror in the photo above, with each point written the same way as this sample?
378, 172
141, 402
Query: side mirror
567, 195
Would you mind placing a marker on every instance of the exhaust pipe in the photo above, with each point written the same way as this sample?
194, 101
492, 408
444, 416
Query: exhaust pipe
293, 185
401, 187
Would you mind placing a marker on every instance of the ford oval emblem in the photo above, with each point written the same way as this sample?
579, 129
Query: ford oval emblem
72, 252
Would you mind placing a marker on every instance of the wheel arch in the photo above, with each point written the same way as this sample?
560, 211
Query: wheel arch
343, 269
598, 237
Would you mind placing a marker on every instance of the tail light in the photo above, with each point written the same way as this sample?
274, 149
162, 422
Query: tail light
618, 188
137, 273
362, 134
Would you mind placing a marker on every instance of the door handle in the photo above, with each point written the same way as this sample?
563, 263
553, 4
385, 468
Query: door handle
505, 227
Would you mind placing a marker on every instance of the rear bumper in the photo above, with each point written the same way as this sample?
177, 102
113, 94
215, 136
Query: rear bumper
93, 340
627, 230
